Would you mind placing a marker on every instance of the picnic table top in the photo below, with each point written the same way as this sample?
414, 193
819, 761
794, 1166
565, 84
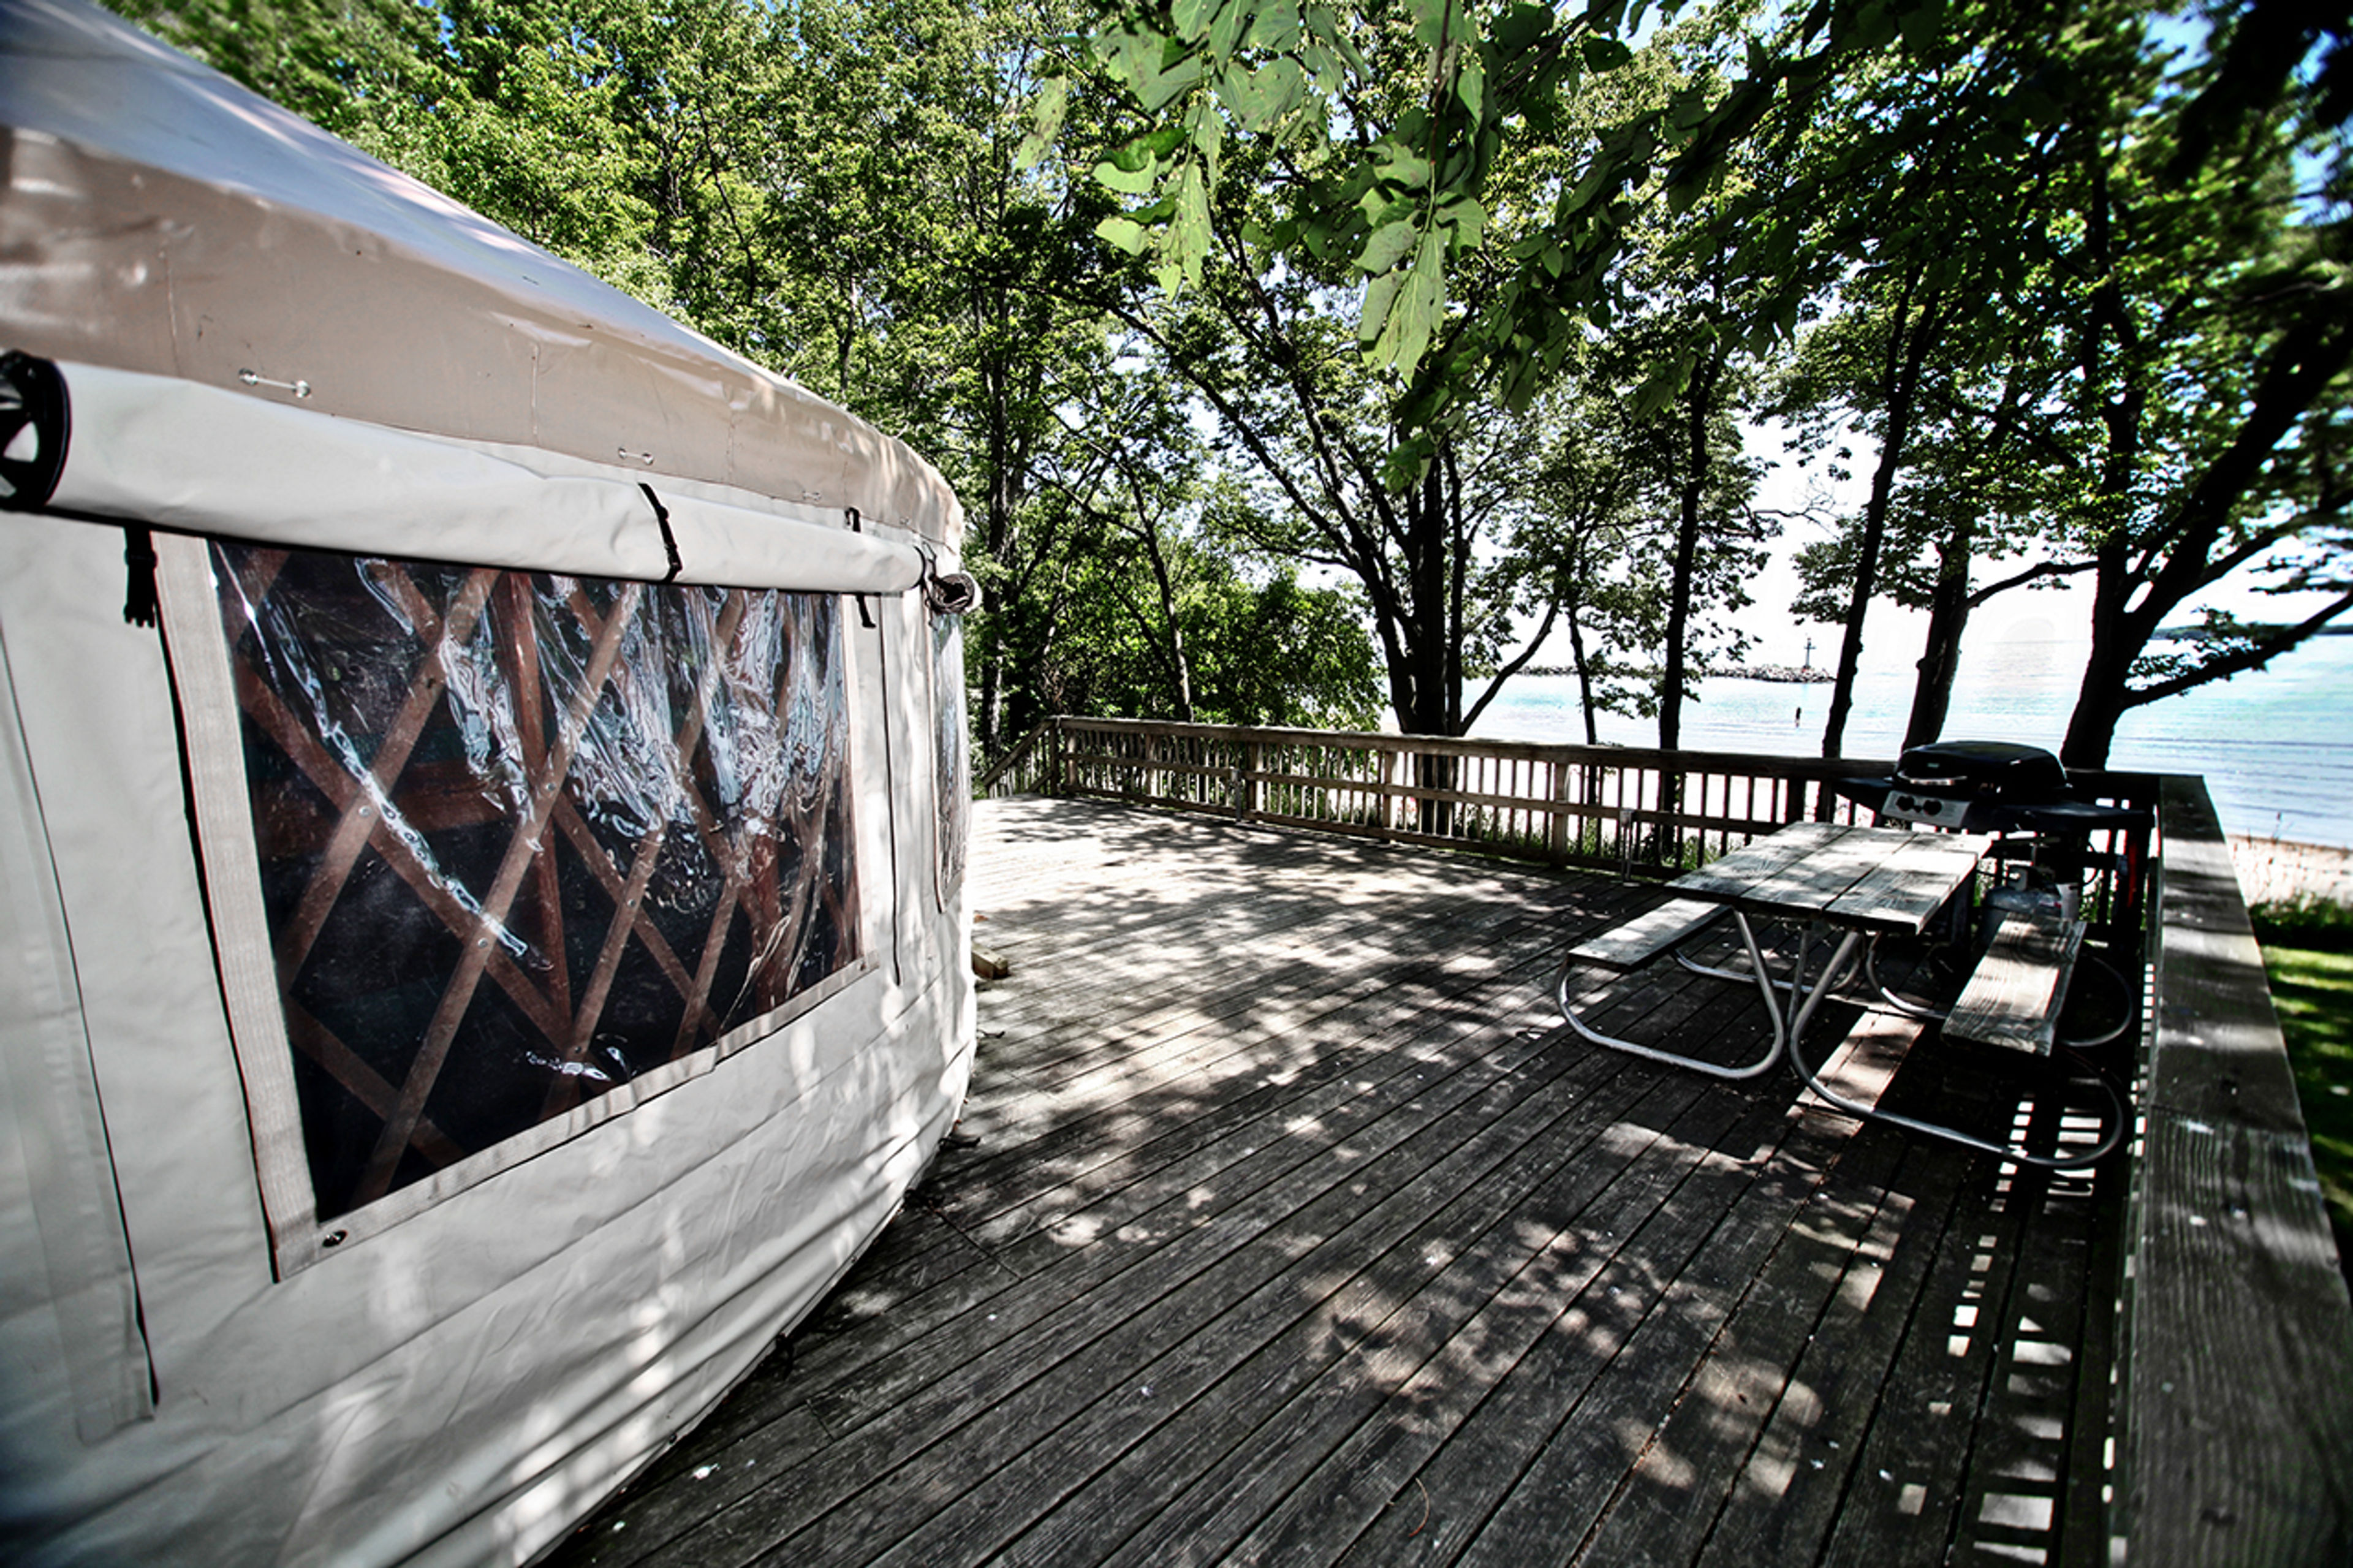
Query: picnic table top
1882, 879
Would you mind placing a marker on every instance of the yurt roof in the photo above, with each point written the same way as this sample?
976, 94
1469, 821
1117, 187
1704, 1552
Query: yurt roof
159, 219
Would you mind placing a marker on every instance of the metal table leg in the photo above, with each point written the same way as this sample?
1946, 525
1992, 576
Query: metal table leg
1764, 985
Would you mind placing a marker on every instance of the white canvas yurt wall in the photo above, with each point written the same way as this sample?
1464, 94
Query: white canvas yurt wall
481, 811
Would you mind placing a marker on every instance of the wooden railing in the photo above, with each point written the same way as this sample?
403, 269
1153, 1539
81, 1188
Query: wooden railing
1025, 768
1615, 807
2234, 1355
1591, 805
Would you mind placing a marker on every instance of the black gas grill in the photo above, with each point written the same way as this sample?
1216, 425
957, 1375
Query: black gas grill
1987, 787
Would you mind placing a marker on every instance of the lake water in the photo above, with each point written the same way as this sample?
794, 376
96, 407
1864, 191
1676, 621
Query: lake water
2276, 746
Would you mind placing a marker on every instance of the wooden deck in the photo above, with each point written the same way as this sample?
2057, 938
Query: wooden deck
1286, 1224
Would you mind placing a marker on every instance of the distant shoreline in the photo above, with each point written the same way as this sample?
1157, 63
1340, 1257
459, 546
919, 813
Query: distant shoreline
1779, 674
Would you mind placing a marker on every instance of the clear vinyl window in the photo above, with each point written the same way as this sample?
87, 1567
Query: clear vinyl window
525, 839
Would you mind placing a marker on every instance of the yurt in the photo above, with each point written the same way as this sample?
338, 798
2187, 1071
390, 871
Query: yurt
482, 812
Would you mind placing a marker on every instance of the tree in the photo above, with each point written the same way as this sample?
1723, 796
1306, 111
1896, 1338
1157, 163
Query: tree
1406, 468
1311, 431
354, 68
1261, 649
1600, 492
2152, 367
2210, 333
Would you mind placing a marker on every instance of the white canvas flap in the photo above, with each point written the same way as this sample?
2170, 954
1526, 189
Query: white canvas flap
204, 459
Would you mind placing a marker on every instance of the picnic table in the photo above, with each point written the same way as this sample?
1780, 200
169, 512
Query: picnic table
1844, 886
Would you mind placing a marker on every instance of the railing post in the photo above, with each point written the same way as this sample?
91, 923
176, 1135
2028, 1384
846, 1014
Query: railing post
1389, 795
1556, 832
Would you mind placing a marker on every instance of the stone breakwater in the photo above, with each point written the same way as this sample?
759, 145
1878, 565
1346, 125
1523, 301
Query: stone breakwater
1782, 674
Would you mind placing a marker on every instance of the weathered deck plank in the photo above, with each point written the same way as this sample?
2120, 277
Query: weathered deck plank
1286, 1224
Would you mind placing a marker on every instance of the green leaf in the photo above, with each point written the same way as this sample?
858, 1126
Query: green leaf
1276, 29
1209, 134
1605, 53
1046, 121
1132, 182
1188, 234
1240, 88
1662, 385
1225, 31
1286, 87
1519, 27
1156, 89
1127, 235
1400, 165
1467, 218
1584, 194
1875, 26
1414, 317
1325, 25
1471, 84
1192, 17
1691, 179
1438, 22
1388, 246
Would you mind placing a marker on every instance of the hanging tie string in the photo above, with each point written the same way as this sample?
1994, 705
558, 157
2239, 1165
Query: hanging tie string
139, 596
669, 542
865, 616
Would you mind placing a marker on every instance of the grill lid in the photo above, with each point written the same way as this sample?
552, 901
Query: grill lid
1985, 770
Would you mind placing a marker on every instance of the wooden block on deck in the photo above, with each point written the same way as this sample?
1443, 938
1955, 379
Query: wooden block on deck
1643, 937
988, 966
2014, 994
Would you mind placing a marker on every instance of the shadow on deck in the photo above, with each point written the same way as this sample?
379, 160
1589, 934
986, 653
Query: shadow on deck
1287, 1224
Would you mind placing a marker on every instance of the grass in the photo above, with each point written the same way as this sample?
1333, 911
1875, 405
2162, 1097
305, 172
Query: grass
2312, 987
2312, 924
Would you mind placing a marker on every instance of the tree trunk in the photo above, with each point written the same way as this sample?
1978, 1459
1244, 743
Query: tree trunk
1583, 679
1948, 616
1181, 667
1907, 349
1699, 401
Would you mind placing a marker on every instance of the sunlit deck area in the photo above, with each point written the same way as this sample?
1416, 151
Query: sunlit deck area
1288, 1223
